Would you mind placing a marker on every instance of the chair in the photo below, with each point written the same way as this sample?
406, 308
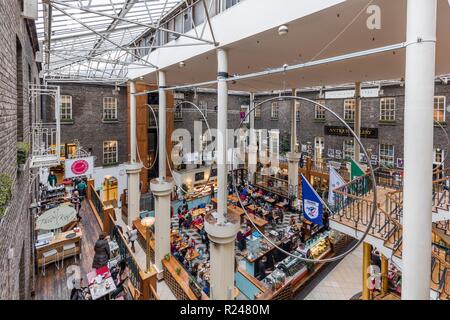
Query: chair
66, 248
46, 255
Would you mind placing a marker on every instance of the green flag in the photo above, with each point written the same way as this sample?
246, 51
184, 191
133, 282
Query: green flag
355, 170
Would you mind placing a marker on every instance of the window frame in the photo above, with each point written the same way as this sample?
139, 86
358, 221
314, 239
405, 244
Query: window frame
319, 110
347, 112
62, 97
381, 156
389, 112
344, 148
257, 112
107, 108
444, 98
297, 110
274, 115
108, 153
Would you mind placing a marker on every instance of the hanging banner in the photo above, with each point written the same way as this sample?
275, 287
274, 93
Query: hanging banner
312, 204
78, 167
335, 182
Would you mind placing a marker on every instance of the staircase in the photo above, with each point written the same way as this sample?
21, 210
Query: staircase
354, 206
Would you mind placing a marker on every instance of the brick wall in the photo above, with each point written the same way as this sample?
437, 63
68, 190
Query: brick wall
88, 126
15, 273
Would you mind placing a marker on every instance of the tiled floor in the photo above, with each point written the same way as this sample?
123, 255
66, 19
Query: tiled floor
343, 282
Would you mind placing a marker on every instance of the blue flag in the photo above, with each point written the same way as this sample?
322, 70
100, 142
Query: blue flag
312, 204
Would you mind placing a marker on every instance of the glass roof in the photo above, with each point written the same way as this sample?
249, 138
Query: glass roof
89, 40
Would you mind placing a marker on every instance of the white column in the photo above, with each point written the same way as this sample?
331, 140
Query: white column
222, 122
253, 147
419, 92
220, 226
133, 168
162, 125
357, 128
161, 191
293, 156
162, 187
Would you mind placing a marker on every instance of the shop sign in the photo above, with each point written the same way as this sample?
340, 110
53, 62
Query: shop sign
367, 133
79, 167
347, 94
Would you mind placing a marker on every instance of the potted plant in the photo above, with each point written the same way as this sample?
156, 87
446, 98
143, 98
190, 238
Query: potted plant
178, 271
5, 193
167, 257
195, 288
23, 150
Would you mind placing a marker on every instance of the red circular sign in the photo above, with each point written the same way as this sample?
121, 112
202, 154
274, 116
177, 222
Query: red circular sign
80, 167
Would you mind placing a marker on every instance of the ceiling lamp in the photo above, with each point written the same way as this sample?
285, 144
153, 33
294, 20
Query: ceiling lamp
283, 30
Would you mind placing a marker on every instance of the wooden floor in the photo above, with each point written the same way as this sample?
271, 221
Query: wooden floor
53, 286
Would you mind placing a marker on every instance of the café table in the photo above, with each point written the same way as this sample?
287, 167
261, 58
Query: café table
100, 283
56, 218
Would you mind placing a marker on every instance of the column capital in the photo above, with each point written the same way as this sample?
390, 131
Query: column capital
222, 233
133, 167
293, 156
161, 188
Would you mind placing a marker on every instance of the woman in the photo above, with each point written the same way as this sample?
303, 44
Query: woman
102, 252
121, 279
76, 204
133, 237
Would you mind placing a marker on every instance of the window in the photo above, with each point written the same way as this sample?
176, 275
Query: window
258, 112
319, 112
438, 157
178, 114
274, 112
439, 109
109, 108
297, 110
199, 13
203, 105
319, 146
349, 109
387, 155
110, 152
349, 149
66, 108
387, 109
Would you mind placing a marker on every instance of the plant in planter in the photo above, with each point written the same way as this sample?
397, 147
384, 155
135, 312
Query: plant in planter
23, 150
5, 192
178, 271
167, 257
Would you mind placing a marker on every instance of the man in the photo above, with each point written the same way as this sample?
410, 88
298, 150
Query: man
81, 187
52, 179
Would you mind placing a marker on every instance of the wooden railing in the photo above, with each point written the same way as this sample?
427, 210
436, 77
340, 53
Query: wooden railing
143, 282
100, 209
272, 184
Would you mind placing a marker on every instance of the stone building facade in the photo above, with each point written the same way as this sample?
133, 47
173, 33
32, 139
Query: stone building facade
18, 68
320, 133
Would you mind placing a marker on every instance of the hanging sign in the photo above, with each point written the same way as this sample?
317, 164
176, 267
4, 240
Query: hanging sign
348, 94
368, 133
78, 167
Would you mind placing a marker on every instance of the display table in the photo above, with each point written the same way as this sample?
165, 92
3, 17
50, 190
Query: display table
57, 243
100, 283
56, 218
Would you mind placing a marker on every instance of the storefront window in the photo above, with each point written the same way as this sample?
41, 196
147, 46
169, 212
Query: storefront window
387, 152
349, 149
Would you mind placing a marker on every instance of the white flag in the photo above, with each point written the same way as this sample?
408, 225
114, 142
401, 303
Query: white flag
335, 182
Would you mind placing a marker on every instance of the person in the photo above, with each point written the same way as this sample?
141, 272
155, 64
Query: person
52, 179
133, 237
326, 220
262, 268
117, 228
180, 220
242, 243
121, 279
77, 292
102, 252
76, 204
81, 187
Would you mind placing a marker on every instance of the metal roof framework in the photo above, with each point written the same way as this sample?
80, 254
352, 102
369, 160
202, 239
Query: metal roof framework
96, 41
